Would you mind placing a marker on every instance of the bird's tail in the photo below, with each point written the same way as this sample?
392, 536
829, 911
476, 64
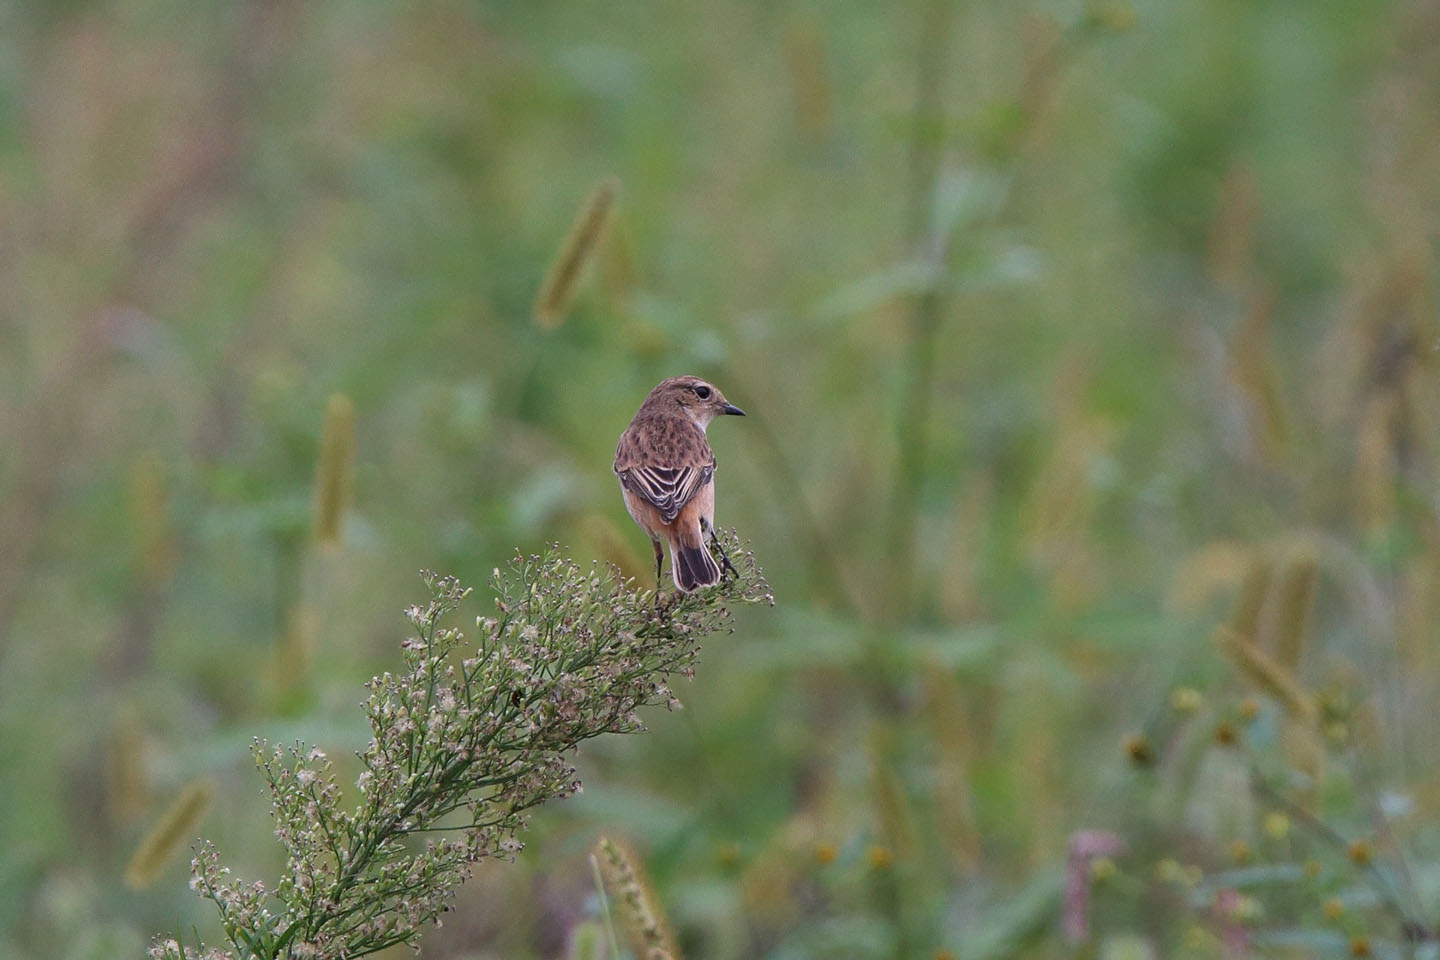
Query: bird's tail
691, 563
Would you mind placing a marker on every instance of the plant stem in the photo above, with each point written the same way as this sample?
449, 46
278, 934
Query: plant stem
919, 370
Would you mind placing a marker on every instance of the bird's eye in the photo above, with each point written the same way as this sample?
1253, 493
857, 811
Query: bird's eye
702, 392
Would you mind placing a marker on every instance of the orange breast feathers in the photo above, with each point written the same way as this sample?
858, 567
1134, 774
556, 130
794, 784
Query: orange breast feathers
697, 515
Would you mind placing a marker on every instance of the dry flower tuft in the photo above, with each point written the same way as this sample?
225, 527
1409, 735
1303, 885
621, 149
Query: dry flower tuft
127, 786
808, 65
152, 525
1296, 600
334, 468
1270, 676
575, 253
466, 741
1250, 603
649, 932
169, 834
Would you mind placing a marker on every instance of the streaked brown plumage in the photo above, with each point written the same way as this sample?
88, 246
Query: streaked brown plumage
667, 475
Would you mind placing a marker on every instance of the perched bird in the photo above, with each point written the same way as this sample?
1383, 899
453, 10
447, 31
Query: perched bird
667, 476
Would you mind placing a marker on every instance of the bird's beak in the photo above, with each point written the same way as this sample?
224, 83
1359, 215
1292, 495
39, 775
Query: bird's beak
733, 410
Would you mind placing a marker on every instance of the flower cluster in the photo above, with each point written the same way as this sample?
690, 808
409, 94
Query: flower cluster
1284, 840
466, 742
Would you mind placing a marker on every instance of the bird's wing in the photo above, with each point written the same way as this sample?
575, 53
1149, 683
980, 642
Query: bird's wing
668, 488
664, 463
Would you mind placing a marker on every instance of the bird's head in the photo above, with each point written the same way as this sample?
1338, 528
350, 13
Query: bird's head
697, 399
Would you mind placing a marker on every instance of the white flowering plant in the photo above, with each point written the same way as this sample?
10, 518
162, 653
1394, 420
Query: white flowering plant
465, 743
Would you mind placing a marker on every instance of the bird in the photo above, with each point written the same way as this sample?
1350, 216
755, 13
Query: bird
667, 477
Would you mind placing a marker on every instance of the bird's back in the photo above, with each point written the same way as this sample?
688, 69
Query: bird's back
667, 441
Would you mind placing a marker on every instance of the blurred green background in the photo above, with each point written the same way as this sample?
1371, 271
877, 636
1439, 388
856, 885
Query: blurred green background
1054, 321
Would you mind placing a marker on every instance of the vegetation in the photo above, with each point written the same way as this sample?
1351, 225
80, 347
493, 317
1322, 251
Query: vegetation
1089, 357
459, 753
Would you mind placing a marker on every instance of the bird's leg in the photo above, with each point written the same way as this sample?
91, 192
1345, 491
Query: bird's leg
725, 563
659, 564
